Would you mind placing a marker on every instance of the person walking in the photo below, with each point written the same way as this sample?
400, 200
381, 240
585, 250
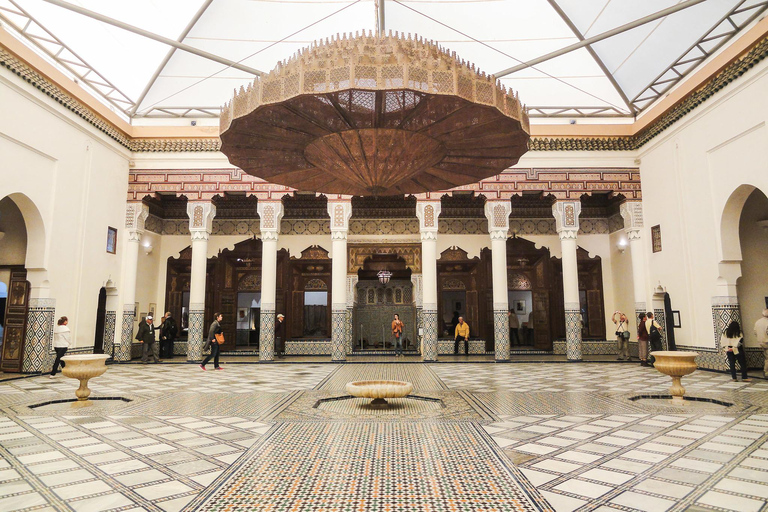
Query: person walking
146, 337
462, 334
642, 340
622, 334
214, 341
61, 341
761, 332
280, 336
168, 331
732, 342
397, 333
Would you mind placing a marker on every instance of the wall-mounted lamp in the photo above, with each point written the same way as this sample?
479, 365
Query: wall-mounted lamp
622, 245
147, 248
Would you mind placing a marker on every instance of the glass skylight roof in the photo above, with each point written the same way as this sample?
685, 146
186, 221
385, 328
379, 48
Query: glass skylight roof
619, 76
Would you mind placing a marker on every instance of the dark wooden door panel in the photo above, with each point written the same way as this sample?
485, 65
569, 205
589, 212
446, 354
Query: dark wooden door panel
14, 334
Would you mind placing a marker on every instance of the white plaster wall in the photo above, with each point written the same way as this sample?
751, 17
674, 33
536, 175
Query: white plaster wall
77, 179
688, 173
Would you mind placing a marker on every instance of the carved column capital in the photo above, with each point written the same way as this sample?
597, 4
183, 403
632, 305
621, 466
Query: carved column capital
497, 213
135, 216
566, 214
632, 213
339, 212
428, 213
270, 215
201, 214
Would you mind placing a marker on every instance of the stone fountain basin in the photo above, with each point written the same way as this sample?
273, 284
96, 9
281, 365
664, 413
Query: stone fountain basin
84, 367
676, 365
379, 389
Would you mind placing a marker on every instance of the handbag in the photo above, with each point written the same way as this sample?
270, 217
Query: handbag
219, 338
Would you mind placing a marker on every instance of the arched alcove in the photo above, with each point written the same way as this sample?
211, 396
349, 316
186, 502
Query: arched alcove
752, 286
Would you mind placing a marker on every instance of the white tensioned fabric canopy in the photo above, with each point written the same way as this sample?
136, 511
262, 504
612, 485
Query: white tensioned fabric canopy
618, 76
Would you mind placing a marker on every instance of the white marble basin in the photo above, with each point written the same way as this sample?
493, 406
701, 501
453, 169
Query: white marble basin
676, 365
379, 390
84, 367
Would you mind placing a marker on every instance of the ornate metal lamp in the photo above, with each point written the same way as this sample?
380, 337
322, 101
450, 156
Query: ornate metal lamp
369, 115
384, 276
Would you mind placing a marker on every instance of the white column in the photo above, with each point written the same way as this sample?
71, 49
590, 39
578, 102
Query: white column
201, 216
497, 213
428, 213
567, 222
340, 212
632, 212
135, 215
351, 291
270, 215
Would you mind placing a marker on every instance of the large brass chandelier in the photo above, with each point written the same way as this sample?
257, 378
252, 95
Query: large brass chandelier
371, 115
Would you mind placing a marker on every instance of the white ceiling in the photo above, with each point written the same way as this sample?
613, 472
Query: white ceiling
130, 72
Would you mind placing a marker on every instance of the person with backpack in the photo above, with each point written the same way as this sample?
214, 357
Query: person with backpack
654, 334
732, 342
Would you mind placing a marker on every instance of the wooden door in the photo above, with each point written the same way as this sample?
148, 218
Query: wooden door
14, 334
540, 314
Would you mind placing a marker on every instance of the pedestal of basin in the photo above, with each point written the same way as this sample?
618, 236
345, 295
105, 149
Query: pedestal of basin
84, 367
379, 390
676, 365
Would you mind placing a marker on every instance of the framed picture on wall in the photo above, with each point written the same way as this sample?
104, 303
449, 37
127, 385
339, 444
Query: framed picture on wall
519, 307
656, 238
242, 314
676, 320
111, 240
152, 308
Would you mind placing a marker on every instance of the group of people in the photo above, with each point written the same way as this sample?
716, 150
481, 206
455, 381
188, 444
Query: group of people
147, 337
649, 337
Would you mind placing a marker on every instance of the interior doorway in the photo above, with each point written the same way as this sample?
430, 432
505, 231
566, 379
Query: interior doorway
248, 320
101, 318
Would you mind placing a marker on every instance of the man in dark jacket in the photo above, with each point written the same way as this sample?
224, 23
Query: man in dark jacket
168, 333
146, 337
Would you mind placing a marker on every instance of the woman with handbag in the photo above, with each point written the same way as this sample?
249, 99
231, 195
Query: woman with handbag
214, 341
732, 343
622, 335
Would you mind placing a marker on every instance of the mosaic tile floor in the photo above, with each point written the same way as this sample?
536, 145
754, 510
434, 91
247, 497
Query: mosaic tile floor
493, 437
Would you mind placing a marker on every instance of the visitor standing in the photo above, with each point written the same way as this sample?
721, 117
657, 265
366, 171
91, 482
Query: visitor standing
622, 334
397, 334
462, 334
514, 327
642, 340
61, 340
732, 343
214, 341
654, 333
146, 337
761, 331
168, 331
280, 336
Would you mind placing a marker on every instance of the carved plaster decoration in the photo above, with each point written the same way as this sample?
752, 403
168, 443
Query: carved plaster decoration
632, 213
135, 216
201, 214
340, 212
566, 215
270, 216
428, 212
497, 213
358, 253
